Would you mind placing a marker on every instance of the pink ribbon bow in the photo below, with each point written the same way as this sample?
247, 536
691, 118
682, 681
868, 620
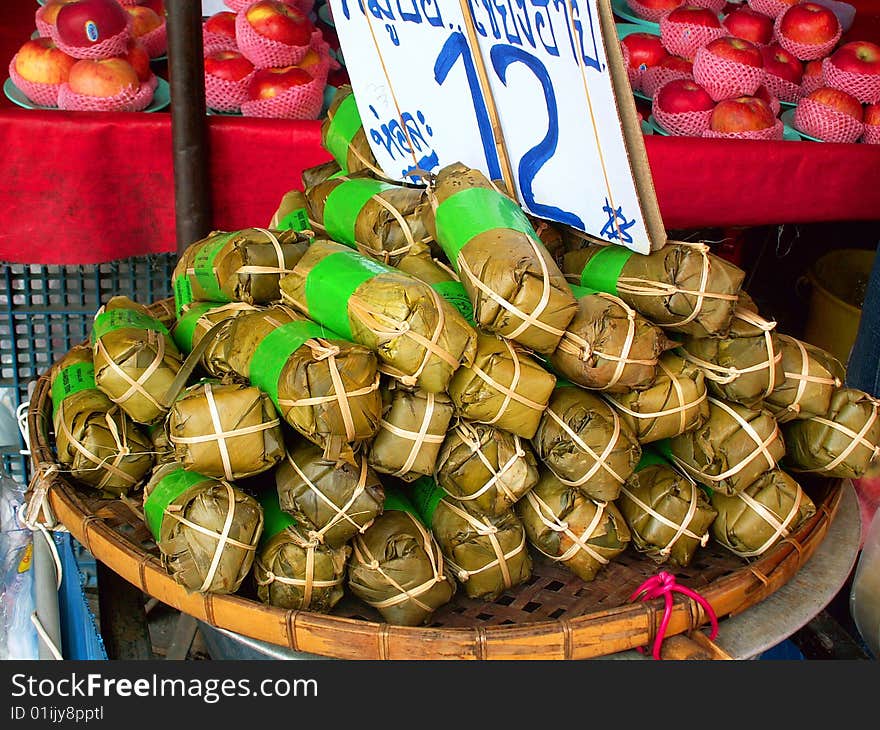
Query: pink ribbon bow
664, 584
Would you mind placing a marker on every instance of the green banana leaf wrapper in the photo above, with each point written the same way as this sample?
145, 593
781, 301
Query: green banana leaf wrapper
732, 449
397, 567
842, 443
681, 287
318, 173
344, 137
237, 266
162, 447
484, 469
442, 279
668, 515
504, 386
752, 521
811, 375
745, 366
95, 440
136, 360
197, 321
568, 527
228, 430
675, 403
292, 214
585, 443
332, 501
608, 345
292, 570
325, 387
488, 555
382, 220
412, 429
515, 286
187, 514
419, 337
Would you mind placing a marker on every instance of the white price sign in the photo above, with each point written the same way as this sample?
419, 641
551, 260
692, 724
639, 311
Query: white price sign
519, 89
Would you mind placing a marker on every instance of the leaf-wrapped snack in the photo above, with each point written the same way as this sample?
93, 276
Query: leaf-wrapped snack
768, 510
418, 337
411, 432
516, 287
397, 566
488, 555
675, 403
344, 137
582, 440
226, 430
732, 449
331, 500
568, 527
811, 375
237, 266
318, 173
504, 387
682, 286
293, 571
841, 443
292, 214
667, 513
136, 361
203, 319
485, 469
94, 439
207, 530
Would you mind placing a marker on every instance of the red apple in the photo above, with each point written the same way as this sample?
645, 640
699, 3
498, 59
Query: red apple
280, 22
228, 65
809, 23
137, 55
102, 77
157, 5
143, 19
683, 95
838, 100
858, 57
87, 22
677, 63
657, 6
781, 63
222, 23
694, 15
736, 49
51, 8
749, 25
763, 93
872, 114
311, 59
268, 83
742, 114
39, 60
645, 49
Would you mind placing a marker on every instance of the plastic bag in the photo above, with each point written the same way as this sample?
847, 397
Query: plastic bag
864, 600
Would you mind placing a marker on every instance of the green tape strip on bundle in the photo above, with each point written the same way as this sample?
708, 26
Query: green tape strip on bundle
397, 500
183, 293
342, 129
455, 293
272, 354
581, 291
203, 267
185, 329
330, 284
344, 205
117, 319
70, 380
296, 220
474, 211
165, 492
275, 519
426, 495
603, 270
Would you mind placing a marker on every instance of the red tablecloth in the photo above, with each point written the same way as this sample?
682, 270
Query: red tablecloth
89, 187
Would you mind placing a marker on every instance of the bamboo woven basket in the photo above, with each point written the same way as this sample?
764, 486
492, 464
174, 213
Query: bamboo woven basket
555, 615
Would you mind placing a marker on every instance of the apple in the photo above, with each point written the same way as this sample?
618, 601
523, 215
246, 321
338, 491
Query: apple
655, 8
228, 65
735, 49
809, 23
280, 22
677, 63
694, 15
143, 19
267, 83
742, 114
763, 92
838, 100
157, 5
872, 115
683, 95
87, 22
51, 8
781, 63
222, 23
749, 25
137, 55
858, 57
645, 49
40, 61
102, 77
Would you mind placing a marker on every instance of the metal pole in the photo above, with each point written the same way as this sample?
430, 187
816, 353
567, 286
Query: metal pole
192, 192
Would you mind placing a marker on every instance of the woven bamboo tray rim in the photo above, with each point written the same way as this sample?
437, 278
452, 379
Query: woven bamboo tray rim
108, 531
